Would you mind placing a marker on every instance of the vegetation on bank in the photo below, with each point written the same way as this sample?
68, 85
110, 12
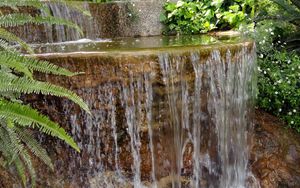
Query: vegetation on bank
277, 33
19, 121
194, 16
274, 24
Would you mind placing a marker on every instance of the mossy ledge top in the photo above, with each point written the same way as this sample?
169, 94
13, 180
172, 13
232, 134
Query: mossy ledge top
140, 45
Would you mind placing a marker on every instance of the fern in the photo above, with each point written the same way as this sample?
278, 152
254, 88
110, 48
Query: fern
27, 86
34, 146
15, 59
16, 78
19, 19
10, 37
15, 4
26, 116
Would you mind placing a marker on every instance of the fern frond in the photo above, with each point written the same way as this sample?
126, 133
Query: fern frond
26, 116
13, 63
15, 4
13, 146
20, 170
27, 86
10, 37
25, 157
34, 146
14, 139
14, 59
18, 19
4, 45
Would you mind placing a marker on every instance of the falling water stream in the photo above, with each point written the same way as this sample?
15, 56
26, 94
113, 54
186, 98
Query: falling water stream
162, 117
61, 33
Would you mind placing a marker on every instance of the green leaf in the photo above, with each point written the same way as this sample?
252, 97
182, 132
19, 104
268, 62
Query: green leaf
26, 116
27, 86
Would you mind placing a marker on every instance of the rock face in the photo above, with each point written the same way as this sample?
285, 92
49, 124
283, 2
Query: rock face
275, 157
108, 20
275, 154
165, 110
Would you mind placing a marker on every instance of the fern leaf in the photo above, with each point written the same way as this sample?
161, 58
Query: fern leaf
20, 170
26, 116
18, 19
8, 36
13, 63
34, 146
13, 146
27, 86
33, 64
25, 157
14, 4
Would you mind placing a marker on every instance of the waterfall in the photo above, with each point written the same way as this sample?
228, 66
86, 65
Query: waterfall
181, 120
61, 33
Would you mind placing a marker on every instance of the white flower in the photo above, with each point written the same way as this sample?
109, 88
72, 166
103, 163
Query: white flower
292, 122
276, 92
265, 72
289, 61
294, 110
290, 113
261, 55
279, 81
279, 110
258, 68
272, 33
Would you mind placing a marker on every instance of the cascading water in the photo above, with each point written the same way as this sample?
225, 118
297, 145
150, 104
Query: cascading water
166, 117
61, 33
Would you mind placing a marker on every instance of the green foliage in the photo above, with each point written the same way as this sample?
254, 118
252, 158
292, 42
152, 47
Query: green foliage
17, 120
279, 63
279, 85
286, 15
201, 16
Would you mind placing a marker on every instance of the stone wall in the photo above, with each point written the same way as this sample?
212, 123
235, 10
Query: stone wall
109, 20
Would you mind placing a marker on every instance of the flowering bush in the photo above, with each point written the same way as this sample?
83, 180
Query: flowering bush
279, 85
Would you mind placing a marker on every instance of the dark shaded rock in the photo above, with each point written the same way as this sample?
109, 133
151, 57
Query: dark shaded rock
7, 180
275, 154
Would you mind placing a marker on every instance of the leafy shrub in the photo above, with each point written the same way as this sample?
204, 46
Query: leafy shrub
194, 16
279, 85
279, 63
286, 15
